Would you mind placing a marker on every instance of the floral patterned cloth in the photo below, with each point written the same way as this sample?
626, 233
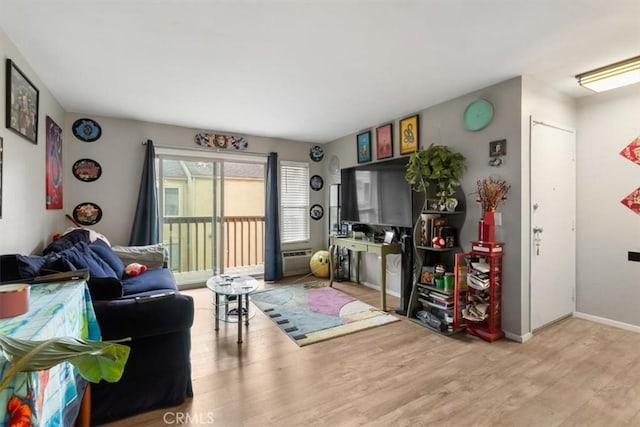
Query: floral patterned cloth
51, 397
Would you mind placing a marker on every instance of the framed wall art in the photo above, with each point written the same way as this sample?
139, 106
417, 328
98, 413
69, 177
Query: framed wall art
409, 135
221, 142
384, 141
364, 147
53, 165
22, 103
1, 177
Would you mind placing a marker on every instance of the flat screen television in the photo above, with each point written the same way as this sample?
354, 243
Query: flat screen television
376, 194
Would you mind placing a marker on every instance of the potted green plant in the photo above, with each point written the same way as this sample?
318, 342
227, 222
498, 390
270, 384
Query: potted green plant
439, 165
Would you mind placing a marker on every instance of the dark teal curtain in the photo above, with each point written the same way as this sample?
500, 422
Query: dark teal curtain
145, 229
272, 255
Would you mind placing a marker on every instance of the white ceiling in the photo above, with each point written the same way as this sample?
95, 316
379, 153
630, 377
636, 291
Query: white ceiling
307, 70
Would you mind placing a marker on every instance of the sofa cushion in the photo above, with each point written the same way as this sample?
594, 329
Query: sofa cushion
103, 250
81, 256
151, 280
104, 288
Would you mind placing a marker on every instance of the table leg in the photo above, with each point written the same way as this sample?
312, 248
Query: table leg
84, 414
246, 322
217, 311
332, 264
383, 283
240, 304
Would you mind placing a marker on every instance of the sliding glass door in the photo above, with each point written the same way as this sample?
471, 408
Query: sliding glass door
212, 217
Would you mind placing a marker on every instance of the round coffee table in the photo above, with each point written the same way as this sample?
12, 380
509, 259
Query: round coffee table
226, 288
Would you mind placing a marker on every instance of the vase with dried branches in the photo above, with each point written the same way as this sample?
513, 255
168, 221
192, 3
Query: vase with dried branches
491, 192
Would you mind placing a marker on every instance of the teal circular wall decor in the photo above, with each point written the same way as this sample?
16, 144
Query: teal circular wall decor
478, 115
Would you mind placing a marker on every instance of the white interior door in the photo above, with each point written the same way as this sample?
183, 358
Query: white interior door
553, 211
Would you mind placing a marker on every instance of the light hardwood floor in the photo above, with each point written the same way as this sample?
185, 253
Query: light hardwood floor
573, 373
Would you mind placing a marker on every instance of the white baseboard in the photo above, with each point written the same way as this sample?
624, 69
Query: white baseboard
518, 338
608, 322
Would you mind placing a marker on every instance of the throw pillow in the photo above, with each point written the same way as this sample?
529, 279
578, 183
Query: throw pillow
153, 256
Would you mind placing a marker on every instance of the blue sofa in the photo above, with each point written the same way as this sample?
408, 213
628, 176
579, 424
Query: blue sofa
147, 308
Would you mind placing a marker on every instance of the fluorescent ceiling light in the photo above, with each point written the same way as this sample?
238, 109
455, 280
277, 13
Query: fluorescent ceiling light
612, 76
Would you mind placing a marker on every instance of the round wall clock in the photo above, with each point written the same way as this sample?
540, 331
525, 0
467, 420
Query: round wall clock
86, 130
316, 212
478, 115
87, 213
86, 170
316, 182
316, 153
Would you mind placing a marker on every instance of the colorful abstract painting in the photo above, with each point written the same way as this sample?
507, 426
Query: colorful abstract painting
632, 201
54, 165
632, 151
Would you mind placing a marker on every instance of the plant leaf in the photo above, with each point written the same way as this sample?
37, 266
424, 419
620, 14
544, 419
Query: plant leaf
95, 360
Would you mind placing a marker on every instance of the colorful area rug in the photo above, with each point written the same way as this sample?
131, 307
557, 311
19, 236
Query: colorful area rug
310, 314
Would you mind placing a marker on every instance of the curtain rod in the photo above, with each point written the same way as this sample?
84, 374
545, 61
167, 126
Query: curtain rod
208, 150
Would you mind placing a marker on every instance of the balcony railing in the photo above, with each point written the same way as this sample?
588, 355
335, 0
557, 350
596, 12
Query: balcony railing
190, 242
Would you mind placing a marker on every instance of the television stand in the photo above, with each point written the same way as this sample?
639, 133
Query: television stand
358, 246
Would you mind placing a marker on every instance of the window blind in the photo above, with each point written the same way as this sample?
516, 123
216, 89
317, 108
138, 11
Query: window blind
294, 199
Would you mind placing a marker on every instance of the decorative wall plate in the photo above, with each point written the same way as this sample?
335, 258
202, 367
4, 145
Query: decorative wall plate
316, 212
316, 182
87, 213
316, 153
86, 130
478, 115
86, 170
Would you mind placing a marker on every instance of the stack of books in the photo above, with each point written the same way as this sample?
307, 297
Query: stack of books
439, 304
478, 275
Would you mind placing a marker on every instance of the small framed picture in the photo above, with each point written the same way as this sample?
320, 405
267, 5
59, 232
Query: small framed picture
364, 147
428, 275
384, 141
22, 103
409, 135
389, 236
498, 148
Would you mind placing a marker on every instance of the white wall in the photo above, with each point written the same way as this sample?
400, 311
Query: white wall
26, 225
121, 154
607, 230
442, 125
